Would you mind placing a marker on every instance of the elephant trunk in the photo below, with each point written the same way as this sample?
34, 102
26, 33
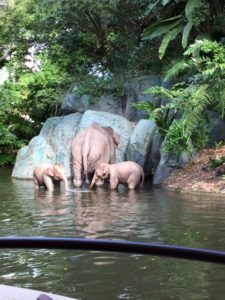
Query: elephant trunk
65, 183
94, 179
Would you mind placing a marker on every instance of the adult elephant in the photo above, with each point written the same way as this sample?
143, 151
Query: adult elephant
90, 147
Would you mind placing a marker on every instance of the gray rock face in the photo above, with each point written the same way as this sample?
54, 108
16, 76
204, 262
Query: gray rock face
107, 103
52, 145
168, 163
133, 92
215, 128
155, 151
140, 144
37, 152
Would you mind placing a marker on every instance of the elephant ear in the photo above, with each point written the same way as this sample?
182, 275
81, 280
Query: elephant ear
50, 172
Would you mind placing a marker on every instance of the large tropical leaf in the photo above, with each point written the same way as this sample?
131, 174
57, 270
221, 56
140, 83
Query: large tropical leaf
164, 2
160, 28
170, 35
186, 33
151, 7
191, 6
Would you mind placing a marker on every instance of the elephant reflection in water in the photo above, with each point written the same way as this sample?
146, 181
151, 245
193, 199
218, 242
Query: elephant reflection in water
98, 212
53, 204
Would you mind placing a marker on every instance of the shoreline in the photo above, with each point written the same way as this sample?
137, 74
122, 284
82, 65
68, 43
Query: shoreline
198, 176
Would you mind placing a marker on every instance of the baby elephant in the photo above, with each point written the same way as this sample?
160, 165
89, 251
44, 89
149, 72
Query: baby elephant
128, 172
49, 176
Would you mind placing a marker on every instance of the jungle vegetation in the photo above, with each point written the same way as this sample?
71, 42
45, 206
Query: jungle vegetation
48, 46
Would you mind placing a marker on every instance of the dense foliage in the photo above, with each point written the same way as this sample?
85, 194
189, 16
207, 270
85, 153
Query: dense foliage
188, 102
90, 43
48, 46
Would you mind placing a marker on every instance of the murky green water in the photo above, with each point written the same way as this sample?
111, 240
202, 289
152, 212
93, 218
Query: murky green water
148, 215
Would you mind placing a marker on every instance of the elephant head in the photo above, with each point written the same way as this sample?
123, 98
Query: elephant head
101, 173
51, 175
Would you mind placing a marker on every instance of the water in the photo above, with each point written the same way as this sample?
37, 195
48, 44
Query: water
148, 215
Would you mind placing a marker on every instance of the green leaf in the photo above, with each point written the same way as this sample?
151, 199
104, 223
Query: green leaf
171, 35
151, 7
164, 2
191, 6
161, 28
186, 33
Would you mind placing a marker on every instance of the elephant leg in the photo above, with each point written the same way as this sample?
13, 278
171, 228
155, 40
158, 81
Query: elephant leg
114, 182
77, 182
36, 184
49, 184
77, 173
131, 186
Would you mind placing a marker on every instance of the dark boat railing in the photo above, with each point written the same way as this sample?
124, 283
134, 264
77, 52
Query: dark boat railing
122, 246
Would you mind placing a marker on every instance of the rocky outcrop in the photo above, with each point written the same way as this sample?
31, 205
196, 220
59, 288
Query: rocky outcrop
139, 138
140, 145
133, 92
169, 162
50, 146
73, 103
215, 128
53, 143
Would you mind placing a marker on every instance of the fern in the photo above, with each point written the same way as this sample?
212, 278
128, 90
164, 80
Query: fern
204, 62
198, 104
177, 68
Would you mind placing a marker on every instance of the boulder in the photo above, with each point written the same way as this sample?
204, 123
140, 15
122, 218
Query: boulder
140, 144
215, 128
168, 163
52, 145
155, 150
107, 102
133, 92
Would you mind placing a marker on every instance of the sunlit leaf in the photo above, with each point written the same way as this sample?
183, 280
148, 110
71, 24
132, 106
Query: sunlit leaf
160, 28
170, 35
186, 33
